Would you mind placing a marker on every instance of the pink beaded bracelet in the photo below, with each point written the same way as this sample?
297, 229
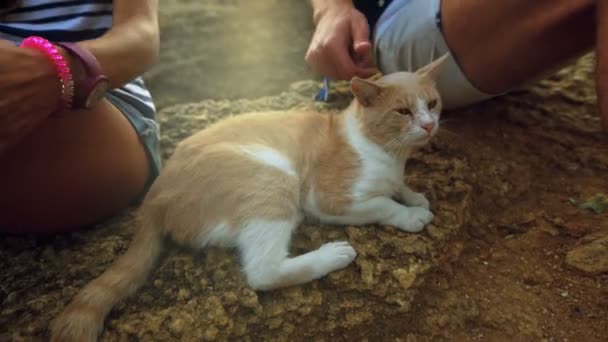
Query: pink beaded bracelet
61, 67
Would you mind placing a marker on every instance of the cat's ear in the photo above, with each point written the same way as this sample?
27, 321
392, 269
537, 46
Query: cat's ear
432, 69
365, 91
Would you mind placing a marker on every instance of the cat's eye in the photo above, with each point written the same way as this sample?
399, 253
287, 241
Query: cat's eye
432, 104
404, 111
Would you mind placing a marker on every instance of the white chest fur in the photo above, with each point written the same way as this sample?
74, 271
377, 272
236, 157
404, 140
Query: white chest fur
381, 174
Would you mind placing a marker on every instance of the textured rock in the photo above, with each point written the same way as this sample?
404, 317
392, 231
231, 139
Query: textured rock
590, 257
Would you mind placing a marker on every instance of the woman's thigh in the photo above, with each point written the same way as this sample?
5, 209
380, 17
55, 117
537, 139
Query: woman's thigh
72, 171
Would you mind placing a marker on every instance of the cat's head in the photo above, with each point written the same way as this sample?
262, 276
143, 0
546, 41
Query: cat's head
401, 110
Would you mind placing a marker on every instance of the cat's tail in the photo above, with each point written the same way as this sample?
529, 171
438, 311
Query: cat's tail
82, 320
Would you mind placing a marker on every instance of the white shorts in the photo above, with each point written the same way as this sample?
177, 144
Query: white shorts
407, 36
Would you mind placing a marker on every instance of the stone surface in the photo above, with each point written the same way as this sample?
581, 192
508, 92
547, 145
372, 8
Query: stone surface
590, 257
229, 49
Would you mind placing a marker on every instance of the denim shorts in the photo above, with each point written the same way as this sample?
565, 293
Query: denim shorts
141, 117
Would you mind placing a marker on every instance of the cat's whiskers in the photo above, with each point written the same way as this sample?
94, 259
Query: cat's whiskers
444, 120
443, 129
406, 143
390, 144
449, 132
394, 146
398, 146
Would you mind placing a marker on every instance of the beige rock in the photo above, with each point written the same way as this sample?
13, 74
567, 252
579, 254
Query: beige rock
590, 258
406, 278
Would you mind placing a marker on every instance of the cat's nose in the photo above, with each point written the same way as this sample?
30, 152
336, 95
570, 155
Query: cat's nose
428, 126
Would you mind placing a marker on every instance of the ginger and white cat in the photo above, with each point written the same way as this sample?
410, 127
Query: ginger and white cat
248, 181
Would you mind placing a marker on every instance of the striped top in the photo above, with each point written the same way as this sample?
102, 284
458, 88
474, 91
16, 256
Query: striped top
71, 21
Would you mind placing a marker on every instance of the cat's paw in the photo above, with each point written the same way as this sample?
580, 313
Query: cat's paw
416, 199
334, 256
413, 219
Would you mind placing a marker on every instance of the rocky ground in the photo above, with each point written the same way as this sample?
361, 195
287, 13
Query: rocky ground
514, 253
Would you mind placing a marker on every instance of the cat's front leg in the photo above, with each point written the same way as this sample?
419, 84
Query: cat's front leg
385, 210
412, 198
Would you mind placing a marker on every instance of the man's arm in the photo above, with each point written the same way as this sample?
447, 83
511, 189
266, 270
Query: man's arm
131, 46
320, 7
602, 61
340, 47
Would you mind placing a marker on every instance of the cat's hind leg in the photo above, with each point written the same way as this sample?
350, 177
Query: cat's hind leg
265, 210
264, 247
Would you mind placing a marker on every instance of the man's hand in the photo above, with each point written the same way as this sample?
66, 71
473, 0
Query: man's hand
29, 92
340, 47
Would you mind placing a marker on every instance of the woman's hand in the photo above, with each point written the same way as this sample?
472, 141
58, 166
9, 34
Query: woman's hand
30, 91
340, 47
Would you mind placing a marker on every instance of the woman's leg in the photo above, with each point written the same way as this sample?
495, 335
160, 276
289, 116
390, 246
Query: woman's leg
502, 44
72, 171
